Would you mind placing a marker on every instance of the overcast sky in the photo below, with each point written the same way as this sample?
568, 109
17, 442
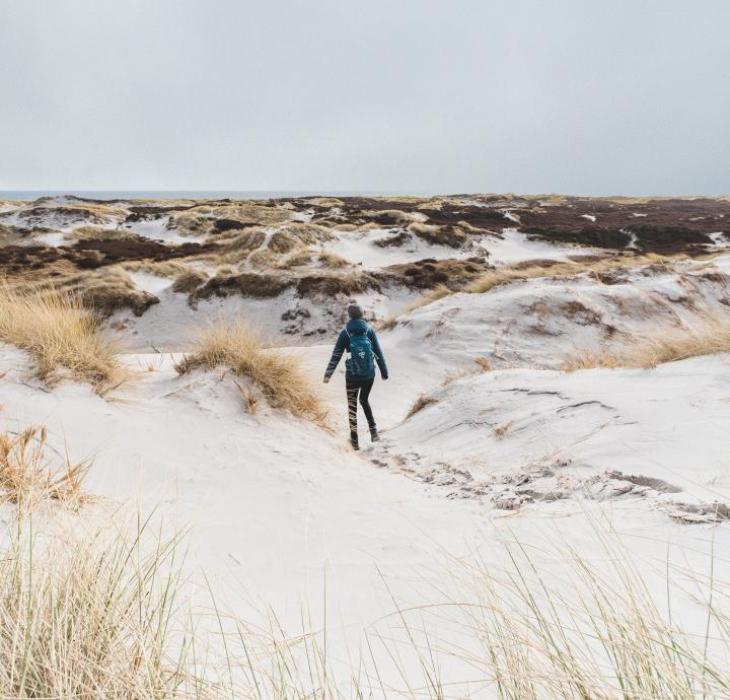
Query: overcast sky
572, 96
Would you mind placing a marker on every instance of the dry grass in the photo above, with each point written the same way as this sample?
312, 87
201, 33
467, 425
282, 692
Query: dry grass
305, 256
592, 632
263, 258
421, 402
161, 268
101, 615
59, 333
92, 616
502, 429
534, 270
332, 261
188, 281
278, 376
298, 258
105, 291
27, 476
438, 292
483, 363
505, 275
84, 233
663, 345
424, 400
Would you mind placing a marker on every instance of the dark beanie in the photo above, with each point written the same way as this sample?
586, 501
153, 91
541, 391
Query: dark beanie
354, 310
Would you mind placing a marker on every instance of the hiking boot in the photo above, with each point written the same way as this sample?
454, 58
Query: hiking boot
374, 437
354, 442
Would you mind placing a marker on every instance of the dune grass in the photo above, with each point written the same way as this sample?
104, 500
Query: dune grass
594, 631
103, 614
277, 375
59, 333
657, 347
28, 475
91, 617
525, 271
534, 269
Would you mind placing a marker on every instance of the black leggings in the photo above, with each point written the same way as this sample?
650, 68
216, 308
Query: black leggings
363, 389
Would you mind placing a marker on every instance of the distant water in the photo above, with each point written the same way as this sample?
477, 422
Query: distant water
175, 194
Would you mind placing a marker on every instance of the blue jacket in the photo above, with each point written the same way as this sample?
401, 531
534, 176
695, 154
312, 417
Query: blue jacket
356, 326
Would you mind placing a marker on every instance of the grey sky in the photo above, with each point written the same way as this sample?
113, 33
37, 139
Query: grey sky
578, 96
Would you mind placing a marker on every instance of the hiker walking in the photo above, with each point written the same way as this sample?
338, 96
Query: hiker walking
359, 339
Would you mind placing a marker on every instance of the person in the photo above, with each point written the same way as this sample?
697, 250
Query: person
359, 339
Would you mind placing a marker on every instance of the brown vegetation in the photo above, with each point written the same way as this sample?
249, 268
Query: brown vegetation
450, 236
421, 402
660, 346
276, 374
523, 271
58, 332
430, 273
104, 291
394, 241
27, 477
93, 615
187, 282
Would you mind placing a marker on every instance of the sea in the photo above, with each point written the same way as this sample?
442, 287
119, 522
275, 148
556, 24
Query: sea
178, 194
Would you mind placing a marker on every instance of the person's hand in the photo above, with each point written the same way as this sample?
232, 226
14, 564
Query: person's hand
326, 380
385, 378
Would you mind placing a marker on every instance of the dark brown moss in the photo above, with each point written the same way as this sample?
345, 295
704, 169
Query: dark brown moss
588, 236
144, 213
385, 218
221, 225
334, 285
668, 239
450, 236
397, 240
66, 212
14, 259
479, 217
430, 273
107, 300
247, 284
97, 251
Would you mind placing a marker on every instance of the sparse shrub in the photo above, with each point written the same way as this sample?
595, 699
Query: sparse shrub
277, 375
502, 429
483, 363
58, 332
423, 401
